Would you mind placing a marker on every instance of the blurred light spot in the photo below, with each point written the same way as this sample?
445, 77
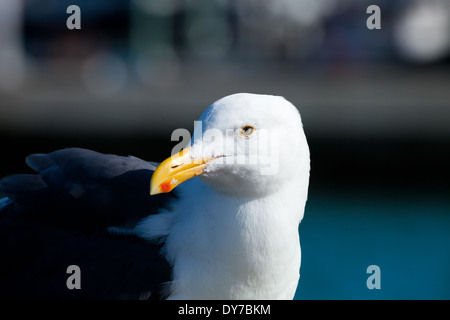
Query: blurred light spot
304, 12
104, 74
158, 66
12, 69
12, 57
422, 34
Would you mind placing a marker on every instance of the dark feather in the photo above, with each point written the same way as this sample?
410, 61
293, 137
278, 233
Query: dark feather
60, 217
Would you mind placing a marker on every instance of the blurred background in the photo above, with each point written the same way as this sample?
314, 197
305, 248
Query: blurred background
375, 107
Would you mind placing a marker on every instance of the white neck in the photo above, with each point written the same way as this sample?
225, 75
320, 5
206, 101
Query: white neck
231, 248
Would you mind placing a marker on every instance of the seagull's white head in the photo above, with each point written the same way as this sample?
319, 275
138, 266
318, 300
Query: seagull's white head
243, 145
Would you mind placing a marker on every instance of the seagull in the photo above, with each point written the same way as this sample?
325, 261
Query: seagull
218, 220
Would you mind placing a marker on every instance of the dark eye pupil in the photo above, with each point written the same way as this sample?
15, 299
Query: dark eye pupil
247, 130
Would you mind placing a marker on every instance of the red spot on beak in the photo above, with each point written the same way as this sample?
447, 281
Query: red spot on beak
165, 187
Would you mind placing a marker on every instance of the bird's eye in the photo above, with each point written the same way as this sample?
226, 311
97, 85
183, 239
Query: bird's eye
247, 131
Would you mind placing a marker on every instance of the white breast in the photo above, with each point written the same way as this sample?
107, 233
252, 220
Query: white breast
229, 248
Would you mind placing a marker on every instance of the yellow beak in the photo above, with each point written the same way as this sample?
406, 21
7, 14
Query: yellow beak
175, 170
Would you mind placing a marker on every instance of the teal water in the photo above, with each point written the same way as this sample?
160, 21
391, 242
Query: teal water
406, 235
